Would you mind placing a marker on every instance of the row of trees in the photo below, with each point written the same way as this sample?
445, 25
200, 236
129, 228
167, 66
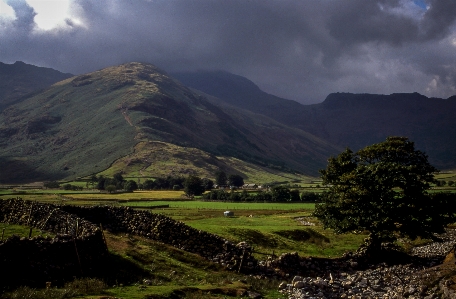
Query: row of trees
117, 182
277, 194
192, 185
54, 185
235, 180
174, 183
195, 186
440, 183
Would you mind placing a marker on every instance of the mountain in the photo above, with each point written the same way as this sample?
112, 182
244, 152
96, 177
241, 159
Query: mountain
83, 124
241, 92
345, 119
19, 79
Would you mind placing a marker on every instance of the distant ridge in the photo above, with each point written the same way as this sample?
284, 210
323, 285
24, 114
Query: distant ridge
236, 90
19, 79
346, 119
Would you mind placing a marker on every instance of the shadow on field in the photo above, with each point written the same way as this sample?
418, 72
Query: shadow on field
301, 235
111, 269
254, 237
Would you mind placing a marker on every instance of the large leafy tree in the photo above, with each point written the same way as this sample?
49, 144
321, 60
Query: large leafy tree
130, 185
193, 186
280, 193
383, 189
220, 178
208, 184
235, 180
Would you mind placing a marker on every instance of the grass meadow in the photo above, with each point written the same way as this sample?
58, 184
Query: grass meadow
271, 228
7, 230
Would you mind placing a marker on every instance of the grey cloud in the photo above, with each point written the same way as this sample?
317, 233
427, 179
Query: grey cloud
24, 15
362, 21
300, 50
439, 19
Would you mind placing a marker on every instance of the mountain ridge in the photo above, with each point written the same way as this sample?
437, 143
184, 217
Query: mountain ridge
347, 119
80, 125
85, 123
19, 79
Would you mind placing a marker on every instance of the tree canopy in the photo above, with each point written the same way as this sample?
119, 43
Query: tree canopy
193, 186
382, 189
130, 185
220, 178
235, 180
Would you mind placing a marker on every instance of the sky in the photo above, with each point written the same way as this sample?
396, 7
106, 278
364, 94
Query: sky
296, 49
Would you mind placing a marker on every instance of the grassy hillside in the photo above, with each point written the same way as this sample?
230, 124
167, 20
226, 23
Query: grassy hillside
160, 159
81, 125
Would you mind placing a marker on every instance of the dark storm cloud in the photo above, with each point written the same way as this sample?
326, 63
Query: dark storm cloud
438, 20
301, 50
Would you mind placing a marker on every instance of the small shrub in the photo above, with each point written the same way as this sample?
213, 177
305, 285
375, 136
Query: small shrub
111, 188
87, 286
84, 286
30, 293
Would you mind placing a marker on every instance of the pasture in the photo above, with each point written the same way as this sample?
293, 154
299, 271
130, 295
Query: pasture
7, 230
271, 228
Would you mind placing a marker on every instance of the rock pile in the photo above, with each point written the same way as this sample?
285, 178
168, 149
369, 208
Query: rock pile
348, 278
382, 281
437, 249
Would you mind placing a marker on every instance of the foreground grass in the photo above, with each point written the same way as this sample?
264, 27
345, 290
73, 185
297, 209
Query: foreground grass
8, 230
148, 269
76, 288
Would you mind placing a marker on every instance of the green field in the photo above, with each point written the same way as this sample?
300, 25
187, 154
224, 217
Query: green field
8, 230
447, 175
216, 205
267, 226
271, 228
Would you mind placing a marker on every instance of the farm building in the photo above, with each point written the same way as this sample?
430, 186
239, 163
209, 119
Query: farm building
250, 186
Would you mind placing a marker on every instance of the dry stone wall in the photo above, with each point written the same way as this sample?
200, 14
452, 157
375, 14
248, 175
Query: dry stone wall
77, 249
79, 246
167, 230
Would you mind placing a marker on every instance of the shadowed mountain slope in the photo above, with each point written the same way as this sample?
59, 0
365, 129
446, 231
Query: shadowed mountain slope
19, 79
344, 119
81, 125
